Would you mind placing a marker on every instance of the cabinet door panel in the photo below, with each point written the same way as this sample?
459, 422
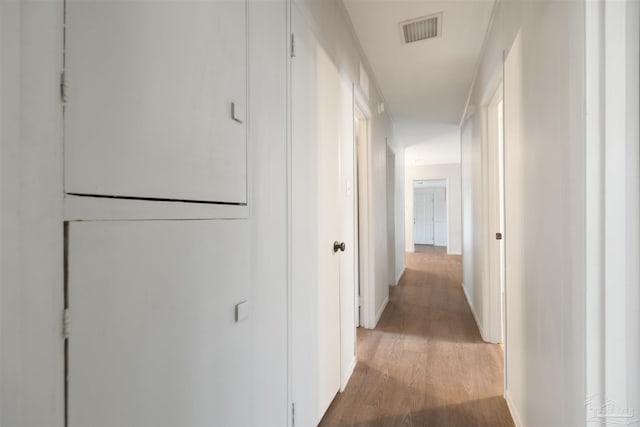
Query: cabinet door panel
153, 338
150, 88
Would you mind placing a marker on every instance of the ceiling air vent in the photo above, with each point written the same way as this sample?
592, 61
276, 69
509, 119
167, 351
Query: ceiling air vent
426, 27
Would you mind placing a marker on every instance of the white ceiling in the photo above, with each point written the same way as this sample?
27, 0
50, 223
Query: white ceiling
425, 84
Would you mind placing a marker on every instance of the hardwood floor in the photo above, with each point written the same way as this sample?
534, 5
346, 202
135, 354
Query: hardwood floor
425, 364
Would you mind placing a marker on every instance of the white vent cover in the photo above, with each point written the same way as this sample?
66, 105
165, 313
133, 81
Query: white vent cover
426, 27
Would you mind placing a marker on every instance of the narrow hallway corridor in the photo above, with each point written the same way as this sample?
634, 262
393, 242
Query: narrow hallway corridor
425, 364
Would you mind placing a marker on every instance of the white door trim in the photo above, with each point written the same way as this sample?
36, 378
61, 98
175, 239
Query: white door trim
493, 320
365, 209
612, 206
349, 234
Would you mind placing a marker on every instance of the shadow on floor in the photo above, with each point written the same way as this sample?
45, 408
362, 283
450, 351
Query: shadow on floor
473, 413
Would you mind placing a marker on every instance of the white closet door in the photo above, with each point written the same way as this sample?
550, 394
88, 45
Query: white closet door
316, 99
156, 99
327, 79
153, 338
440, 217
423, 214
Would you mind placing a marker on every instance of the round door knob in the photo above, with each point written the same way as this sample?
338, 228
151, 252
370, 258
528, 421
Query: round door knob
339, 246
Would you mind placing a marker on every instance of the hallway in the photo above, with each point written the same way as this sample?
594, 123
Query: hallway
425, 363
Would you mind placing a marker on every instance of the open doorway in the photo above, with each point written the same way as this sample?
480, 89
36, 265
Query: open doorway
429, 213
495, 218
365, 296
362, 197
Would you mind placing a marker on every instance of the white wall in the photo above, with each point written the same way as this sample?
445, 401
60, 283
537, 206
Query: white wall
473, 260
391, 216
267, 157
612, 193
395, 214
442, 147
451, 173
545, 216
471, 221
31, 243
399, 214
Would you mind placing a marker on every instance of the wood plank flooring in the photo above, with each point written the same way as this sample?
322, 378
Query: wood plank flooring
425, 364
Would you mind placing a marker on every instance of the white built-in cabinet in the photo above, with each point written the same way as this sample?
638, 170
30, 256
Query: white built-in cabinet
153, 337
157, 291
156, 99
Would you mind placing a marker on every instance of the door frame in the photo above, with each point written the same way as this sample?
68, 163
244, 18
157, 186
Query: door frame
409, 229
612, 171
494, 206
362, 114
349, 193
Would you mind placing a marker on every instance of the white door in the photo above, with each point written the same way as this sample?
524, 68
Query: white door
156, 99
316, 220
440, 217
348, 272
328, 208
495, 207
423, 217
153, 335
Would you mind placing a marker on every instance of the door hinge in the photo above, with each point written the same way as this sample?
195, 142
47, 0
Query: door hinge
63, 88
66, 323
293, 45
293, 415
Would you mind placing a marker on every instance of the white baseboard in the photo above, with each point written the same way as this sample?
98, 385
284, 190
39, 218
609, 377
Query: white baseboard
400, 275
473, 311
512, 408
379, 313
347, 375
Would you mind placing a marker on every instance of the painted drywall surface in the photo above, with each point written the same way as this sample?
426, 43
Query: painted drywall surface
395, 221
31, 247
450, 172
267, 179
399, 214
441, 148
467, 172
473, 218
391, 213
380, 128
613, 290
544, 155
